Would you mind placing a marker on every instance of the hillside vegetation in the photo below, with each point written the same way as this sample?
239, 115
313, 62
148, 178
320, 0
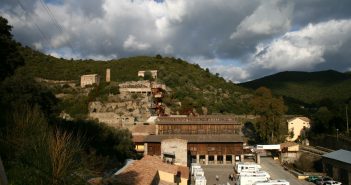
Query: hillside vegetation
307, 87
191, 85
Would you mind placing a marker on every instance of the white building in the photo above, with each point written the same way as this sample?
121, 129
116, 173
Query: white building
296, 126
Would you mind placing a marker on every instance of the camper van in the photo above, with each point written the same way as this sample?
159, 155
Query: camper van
250, 180
260, 172
273, 182
246, 167
200, 180
199, 172
194, 166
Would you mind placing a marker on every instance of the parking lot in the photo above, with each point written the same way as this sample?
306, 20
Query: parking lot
268, 164
222, 171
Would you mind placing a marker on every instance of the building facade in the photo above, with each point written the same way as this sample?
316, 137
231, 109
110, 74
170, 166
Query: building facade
89, 80
209, 139
296, 127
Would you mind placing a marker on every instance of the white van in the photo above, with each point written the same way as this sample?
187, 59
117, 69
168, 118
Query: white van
247, 167
260, 172
273, 182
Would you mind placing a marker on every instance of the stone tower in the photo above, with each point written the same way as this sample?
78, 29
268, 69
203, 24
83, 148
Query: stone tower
108, 75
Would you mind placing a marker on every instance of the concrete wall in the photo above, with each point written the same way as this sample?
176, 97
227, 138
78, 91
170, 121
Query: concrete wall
112, 119
169, 177
177, 147
290, 157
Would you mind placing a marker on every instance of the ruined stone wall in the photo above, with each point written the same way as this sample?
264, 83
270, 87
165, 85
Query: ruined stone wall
125, 112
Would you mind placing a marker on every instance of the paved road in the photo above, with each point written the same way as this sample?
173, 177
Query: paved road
277, 171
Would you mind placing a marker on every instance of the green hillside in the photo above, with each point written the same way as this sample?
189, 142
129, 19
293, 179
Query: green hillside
307, 87
193, 86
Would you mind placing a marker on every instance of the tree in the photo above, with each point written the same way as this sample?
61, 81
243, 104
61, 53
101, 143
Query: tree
148, 75
9, 54
270, 111
34, 153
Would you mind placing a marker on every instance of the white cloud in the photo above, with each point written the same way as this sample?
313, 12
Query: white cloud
197, 30
132, 44
230, 72
271, 17
306, 48
204, 62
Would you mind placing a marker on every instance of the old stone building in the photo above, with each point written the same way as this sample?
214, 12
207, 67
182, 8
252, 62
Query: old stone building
89, 80
153, 73
208, 139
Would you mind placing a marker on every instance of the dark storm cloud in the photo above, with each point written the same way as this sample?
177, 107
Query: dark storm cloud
239, 39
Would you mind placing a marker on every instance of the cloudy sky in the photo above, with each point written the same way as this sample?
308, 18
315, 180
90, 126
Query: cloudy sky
239, 39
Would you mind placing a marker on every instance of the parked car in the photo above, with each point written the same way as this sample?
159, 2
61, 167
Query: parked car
332, 183
322, 180
313, 178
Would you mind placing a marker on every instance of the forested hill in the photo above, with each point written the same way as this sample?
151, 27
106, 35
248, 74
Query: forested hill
308, 87
190, 84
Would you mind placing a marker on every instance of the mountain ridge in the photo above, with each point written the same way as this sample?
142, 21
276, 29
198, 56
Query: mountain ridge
308, 87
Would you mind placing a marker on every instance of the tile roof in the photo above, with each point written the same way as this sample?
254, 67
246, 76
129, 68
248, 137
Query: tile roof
306, 119
144, 171
339, 155
146, 129
220, 138
138, 138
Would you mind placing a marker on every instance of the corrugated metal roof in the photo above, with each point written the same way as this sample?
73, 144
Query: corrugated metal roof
222, 138
340, 155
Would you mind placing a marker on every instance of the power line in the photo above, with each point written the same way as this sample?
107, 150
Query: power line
36, 25
54, 20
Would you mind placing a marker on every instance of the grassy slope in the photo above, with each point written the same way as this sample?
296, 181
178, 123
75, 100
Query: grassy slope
308, 87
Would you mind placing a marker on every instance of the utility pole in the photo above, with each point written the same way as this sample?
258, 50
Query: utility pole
347, 119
